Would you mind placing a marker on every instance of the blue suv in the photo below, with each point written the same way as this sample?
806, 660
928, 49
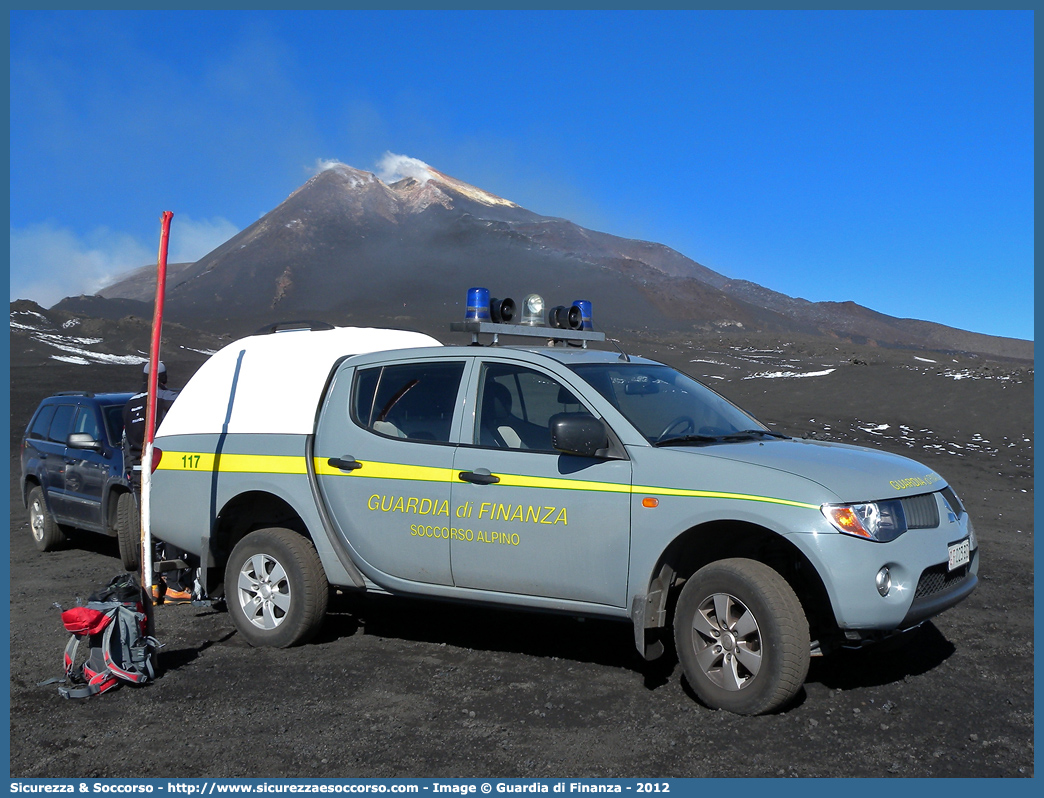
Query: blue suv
73, 475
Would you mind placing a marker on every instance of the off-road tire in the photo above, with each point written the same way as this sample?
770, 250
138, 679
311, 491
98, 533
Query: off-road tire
128, 531
275, 588
47, 535
764, 627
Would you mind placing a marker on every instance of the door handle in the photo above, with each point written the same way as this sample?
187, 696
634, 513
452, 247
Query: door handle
480, 476
346, 463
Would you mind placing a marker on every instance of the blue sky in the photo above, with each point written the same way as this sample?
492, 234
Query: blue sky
880, 157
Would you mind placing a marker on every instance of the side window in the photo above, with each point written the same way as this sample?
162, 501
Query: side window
114, 423
61, 424
87, 421
42, 422
413, 400
516, 405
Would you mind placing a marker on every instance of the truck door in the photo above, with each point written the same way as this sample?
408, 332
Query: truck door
383, 456
536, 521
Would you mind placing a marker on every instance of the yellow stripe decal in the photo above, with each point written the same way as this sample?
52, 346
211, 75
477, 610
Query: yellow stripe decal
282, 464
713, 494
232, 463
555, 483
388, 471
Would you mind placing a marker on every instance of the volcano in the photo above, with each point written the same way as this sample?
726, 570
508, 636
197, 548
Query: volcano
349, 248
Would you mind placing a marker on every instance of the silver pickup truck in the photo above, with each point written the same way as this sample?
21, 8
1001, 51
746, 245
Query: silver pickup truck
557, 478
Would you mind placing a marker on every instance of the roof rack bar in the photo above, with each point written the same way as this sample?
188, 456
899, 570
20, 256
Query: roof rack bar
290, 326
525, 331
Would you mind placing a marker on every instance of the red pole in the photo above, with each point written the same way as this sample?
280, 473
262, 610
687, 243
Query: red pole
150, 418
157, 327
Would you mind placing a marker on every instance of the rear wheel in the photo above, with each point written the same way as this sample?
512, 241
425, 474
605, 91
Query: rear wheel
275, 588
742, 637
47, 535
128, 531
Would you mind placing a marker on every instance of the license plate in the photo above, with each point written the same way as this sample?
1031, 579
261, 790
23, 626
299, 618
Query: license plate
960, 553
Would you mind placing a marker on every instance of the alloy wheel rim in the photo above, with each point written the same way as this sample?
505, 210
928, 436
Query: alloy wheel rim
263, 590
36, 521
727, 641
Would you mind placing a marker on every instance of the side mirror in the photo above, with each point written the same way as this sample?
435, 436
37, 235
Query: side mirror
579, 434
83, 440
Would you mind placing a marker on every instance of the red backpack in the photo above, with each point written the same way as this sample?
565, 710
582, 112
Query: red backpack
116, 623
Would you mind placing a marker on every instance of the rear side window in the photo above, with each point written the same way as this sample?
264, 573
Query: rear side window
61, 424
413, 400
42, 422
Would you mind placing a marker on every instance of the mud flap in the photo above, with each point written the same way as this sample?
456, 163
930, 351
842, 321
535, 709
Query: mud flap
643, 610
650, 612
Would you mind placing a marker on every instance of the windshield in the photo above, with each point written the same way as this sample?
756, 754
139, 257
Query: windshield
669, 407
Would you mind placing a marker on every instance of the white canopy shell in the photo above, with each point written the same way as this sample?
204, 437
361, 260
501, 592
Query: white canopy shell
271, 384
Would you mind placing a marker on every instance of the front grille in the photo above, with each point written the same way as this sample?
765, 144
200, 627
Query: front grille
938, 579
922, 512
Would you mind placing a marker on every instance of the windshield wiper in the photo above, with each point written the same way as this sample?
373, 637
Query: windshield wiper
752, 433
742, 435
688, 439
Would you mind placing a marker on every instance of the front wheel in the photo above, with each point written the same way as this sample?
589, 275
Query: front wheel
128, 531
47, 535
742, 637
275, 588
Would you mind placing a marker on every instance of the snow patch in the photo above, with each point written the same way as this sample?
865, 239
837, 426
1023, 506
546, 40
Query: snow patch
98, 357
74, 346
29, 313
79, 361
874, 429
772, 375
51, 338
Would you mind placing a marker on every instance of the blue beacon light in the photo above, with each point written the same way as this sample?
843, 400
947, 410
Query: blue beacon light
585, 313
478, 305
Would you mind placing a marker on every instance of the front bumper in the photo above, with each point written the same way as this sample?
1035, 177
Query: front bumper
922, 585
938, 590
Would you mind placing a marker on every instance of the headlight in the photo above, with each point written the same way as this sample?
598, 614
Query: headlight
879, 521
